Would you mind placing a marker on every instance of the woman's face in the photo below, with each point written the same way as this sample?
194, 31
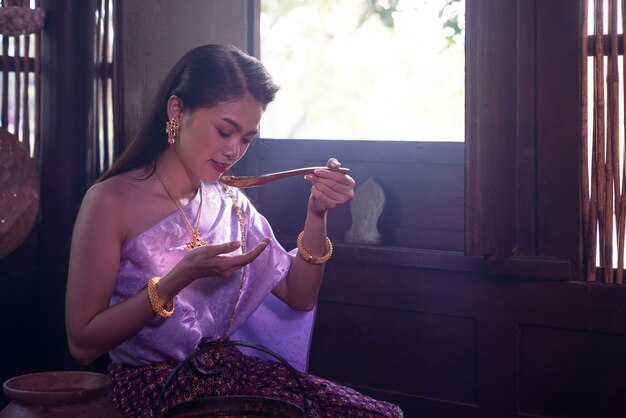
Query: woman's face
211, 140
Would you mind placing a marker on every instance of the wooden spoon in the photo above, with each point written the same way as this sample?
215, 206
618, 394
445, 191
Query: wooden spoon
253, 181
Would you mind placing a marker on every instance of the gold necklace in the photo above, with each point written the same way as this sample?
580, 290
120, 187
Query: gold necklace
196, 241
237, 207
243, 250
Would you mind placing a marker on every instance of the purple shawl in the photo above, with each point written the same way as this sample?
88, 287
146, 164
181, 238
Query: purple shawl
203, 308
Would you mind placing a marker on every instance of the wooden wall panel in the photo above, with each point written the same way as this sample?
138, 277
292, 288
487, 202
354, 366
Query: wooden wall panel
67, 99
401, 351
422, 181
490, 130
19, 348
557, 163
571, 373
445, 343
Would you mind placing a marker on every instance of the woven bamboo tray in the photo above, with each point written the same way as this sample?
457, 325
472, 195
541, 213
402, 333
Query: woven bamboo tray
19, 193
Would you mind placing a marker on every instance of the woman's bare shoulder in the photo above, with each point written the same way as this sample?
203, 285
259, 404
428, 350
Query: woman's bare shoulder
112, 192
119, 200
132, 201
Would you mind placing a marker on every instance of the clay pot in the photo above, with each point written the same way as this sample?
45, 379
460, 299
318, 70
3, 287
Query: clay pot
58, 394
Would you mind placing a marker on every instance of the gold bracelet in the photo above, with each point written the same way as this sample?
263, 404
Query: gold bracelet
155, 302
311, 259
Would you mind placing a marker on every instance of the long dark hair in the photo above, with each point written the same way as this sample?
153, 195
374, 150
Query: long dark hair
204, 77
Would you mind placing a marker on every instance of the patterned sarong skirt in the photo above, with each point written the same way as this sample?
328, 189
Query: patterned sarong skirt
225, 371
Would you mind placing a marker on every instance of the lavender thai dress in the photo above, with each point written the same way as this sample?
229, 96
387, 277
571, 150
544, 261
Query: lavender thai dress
140, 365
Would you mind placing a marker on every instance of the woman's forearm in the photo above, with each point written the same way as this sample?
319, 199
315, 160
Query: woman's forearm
304, 279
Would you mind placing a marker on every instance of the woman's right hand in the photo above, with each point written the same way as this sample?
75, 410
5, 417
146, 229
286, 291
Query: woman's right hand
214, 260
211, 260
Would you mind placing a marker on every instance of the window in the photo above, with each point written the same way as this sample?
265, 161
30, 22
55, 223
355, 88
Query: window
422, 175
19, 84
103, 147
366, 70
602, 108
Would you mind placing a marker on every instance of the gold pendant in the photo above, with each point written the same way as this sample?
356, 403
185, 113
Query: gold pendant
196, 242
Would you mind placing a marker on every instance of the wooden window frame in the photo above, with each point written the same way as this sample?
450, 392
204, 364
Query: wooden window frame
522, 203
523, 159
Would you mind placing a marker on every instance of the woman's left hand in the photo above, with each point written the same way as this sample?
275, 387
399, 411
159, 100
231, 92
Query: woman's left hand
330, 188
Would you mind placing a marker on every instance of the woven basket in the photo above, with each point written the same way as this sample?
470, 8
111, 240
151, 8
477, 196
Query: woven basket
19, 193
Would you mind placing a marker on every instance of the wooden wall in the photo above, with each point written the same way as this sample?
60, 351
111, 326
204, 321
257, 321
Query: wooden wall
442, 343
422, 182
153, 38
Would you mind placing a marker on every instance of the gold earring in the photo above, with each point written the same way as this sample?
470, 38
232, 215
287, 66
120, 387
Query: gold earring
171, 129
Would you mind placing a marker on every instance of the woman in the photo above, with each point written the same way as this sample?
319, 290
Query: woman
165, 258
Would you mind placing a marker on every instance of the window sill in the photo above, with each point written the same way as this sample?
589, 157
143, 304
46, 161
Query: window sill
536, 267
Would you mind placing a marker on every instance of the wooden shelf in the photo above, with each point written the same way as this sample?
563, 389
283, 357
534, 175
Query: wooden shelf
538, 268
